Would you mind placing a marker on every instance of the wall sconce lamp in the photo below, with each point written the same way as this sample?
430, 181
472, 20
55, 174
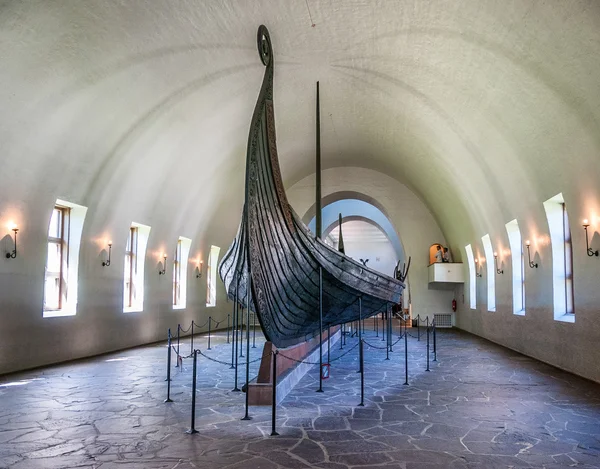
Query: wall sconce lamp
498, 271
106, 263
531, 264
590, 251
477, 269
199, 274
164, 269
13, 254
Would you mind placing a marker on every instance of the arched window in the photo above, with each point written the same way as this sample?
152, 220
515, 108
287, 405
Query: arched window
180, 261
518, 267
491, 273
133, 272
472, 277
562, 258
62, 262
211, 276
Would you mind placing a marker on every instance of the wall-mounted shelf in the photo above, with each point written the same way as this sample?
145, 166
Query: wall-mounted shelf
446, 272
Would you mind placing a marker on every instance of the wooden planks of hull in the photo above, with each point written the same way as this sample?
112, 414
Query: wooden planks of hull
274, 261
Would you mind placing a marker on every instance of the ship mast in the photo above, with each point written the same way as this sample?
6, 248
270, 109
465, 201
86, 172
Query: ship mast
319, 227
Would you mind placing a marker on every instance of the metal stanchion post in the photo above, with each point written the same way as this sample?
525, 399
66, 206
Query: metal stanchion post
360, 363
192, 339
246, 416
209, 321
361, 357
235, 339
178, 329
434, 342
344, 333
387, 347
192, 429
376, 320
427, 343
418, 327
233, 319
274, 403
228, 328
320, 330
362, 374
391, 330
241, 338
168, 380
383, 328
405, 355
341, 337
328, 343
253, 330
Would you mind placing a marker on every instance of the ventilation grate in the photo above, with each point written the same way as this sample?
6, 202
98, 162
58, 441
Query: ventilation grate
443, 320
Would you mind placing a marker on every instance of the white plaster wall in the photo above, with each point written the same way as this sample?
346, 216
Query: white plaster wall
381, 254
29, 340
412, 220
140, 111
570, 346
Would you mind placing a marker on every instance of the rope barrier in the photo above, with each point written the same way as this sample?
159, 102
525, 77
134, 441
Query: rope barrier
382, 348
194, 323
226, 363
181, 356
203, 325
318, 363
374, 346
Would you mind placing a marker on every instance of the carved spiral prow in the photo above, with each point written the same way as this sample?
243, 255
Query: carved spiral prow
265, 50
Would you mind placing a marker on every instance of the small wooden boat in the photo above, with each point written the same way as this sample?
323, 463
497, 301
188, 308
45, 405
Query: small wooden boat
288, 276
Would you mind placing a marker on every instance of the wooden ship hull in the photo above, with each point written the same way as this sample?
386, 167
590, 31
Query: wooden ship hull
290, 278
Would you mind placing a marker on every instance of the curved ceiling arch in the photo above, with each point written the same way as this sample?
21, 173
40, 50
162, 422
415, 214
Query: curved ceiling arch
333, 225
115, 102
576, 102
339, 196
328, 230
359, 209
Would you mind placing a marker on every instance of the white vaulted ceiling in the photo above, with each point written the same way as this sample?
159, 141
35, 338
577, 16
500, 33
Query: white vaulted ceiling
140, 109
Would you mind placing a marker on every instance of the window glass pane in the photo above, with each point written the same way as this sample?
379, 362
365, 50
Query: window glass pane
51, 292
518, 278
568, 262
472, 277
177, 274
126, 277
560, 236
211, 274
53, 264
491, 272
55, 224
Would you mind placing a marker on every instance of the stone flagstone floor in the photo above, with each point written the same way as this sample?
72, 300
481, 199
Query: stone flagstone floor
480, 406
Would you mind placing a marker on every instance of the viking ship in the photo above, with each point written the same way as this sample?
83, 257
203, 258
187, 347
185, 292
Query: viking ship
294, 282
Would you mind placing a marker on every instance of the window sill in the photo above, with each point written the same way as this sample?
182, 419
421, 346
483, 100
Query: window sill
178, 306
520, 313
58, 313
566, 318
133, 309
210, 306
